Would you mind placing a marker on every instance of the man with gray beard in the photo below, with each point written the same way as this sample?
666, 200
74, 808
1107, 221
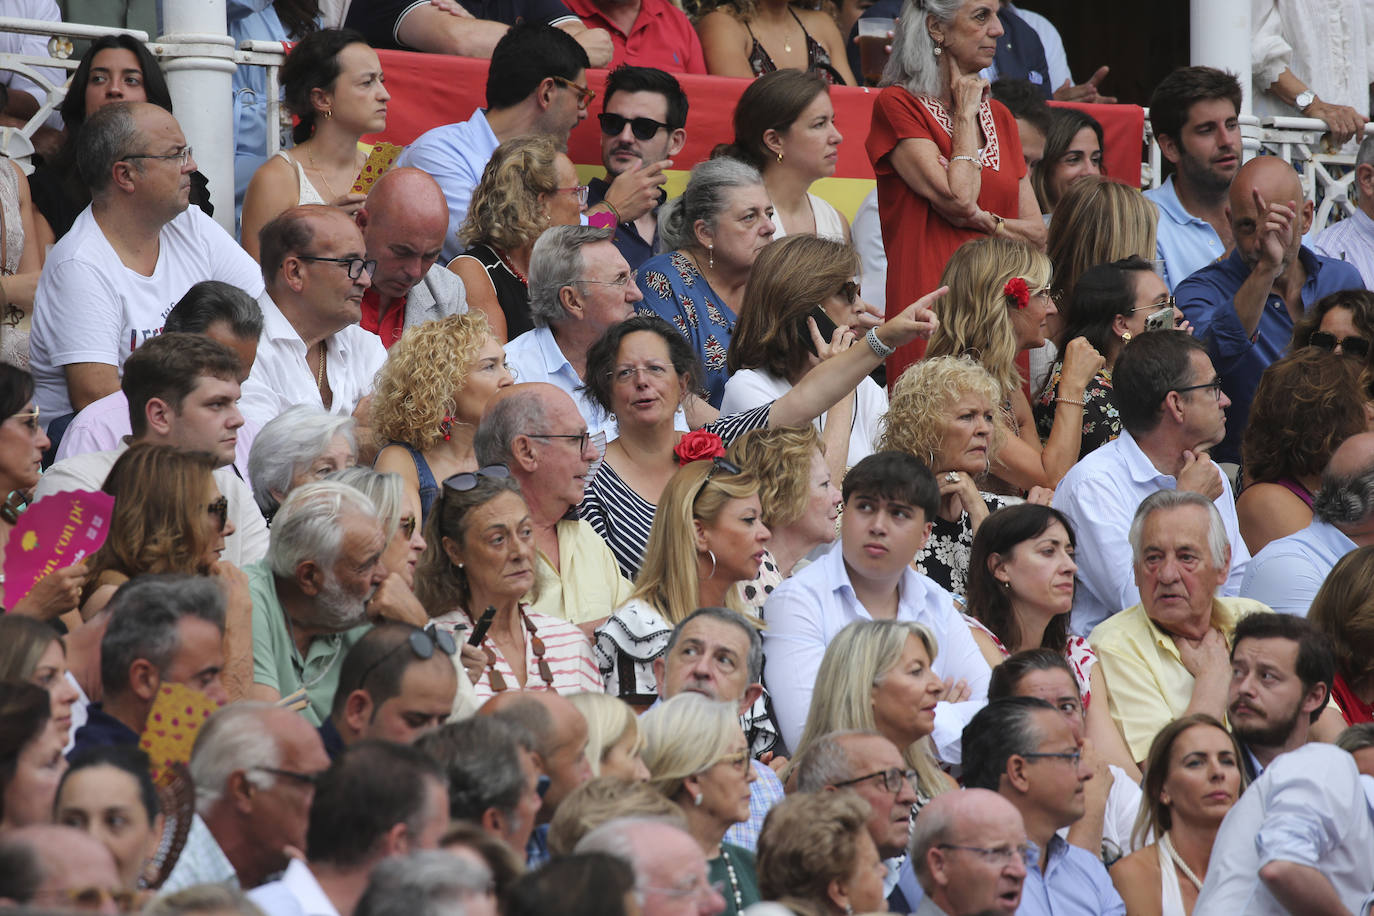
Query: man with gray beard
311, 593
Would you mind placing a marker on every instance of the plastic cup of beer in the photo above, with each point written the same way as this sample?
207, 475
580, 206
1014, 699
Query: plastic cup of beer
873, 43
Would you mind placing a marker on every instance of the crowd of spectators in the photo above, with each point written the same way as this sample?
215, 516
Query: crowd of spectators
488, 542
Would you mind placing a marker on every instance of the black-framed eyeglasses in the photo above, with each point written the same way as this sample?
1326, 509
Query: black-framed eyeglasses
642, 128
220, 510
1214, 384
466, 480
997, 856
181, 156
890, 778
584, 95
1356, 347
422, 642
305, 779
581, 438
355, 266
1167, 302
849, 291
1072, 757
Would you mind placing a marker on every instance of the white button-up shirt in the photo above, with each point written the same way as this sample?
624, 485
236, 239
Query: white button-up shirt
1100, 495
1287, 573
1310, 807
1352, 239
296, 894
806, 611
281, 378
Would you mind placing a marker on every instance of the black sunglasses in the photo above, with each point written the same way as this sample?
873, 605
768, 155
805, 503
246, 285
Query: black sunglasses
1356, 347
220, 510
642, 128
466, 480
422, 643
719, 464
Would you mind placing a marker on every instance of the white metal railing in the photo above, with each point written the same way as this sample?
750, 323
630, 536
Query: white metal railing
1326, 176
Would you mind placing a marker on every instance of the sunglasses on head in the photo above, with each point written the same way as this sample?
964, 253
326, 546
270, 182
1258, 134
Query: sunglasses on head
468, 479
1356, 347
642, 128
422, 643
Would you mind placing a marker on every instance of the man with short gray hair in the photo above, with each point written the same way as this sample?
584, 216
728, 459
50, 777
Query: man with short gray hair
430, 882
1287, 573
580, 285
162, 629
1352, 239
108, 284
535, 430
310, 594
670, 870
250, 766
1168, 656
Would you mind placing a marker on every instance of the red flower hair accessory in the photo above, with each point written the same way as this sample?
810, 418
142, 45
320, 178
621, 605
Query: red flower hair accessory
1017, 291
698, 445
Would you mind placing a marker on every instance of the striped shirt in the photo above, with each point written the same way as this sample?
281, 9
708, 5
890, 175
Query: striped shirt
566, 649
623, 517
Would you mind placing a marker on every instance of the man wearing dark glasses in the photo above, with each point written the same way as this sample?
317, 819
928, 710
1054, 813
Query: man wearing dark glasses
313, 350
1244, 306
642, 129
398, 683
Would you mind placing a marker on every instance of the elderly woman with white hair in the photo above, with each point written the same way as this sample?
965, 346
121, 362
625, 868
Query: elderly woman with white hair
698, 757
303, 444
947, 157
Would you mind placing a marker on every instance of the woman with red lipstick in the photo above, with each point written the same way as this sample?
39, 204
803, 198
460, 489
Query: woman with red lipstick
1020, 591
999, 301
332, 82
1193, 776
708, 534
944, 411
785, 128
31, 650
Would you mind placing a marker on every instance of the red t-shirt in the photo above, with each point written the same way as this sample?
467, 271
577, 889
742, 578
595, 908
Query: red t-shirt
388, 326
919, 241
661, 37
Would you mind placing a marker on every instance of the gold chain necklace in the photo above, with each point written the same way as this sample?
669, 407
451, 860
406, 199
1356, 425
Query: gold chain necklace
319, 378
310, 154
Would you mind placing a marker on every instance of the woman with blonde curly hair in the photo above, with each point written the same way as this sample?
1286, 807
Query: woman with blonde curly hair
526, 187
877, 675
944, 412
169, 517
798, 281
800, 502
1305, 406
816, 855
430, 395
708, 534
699, 759
999, 300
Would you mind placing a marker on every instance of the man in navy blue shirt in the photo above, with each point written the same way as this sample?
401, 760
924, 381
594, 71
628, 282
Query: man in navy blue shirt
1244, 306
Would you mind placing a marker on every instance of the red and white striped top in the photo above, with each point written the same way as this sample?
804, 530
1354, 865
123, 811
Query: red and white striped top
567, 651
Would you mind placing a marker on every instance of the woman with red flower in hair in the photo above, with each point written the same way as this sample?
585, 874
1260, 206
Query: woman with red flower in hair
642, 370
999, 300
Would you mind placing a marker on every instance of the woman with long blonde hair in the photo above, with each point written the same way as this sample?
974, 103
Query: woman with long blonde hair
999, 301
877, 676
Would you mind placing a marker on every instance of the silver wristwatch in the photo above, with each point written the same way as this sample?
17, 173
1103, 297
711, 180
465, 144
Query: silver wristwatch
877, 346
1304, 100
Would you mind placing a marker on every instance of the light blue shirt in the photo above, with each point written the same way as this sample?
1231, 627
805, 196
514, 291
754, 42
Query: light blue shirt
455, 154
1183, 241
1352, 239
1287, 572
1074, 883
809, 609
1100, 495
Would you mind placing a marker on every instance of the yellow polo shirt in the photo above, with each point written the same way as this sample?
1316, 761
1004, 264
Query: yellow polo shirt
587, 584
1147, 685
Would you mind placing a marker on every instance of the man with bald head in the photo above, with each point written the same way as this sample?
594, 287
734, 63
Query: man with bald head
59, 868
1244, 306
968, 849
404, 221
109, 283
1288, 572
536, 431
560, 751
312, 350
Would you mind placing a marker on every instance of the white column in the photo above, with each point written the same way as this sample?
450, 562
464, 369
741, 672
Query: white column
1219, 34
202, 94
